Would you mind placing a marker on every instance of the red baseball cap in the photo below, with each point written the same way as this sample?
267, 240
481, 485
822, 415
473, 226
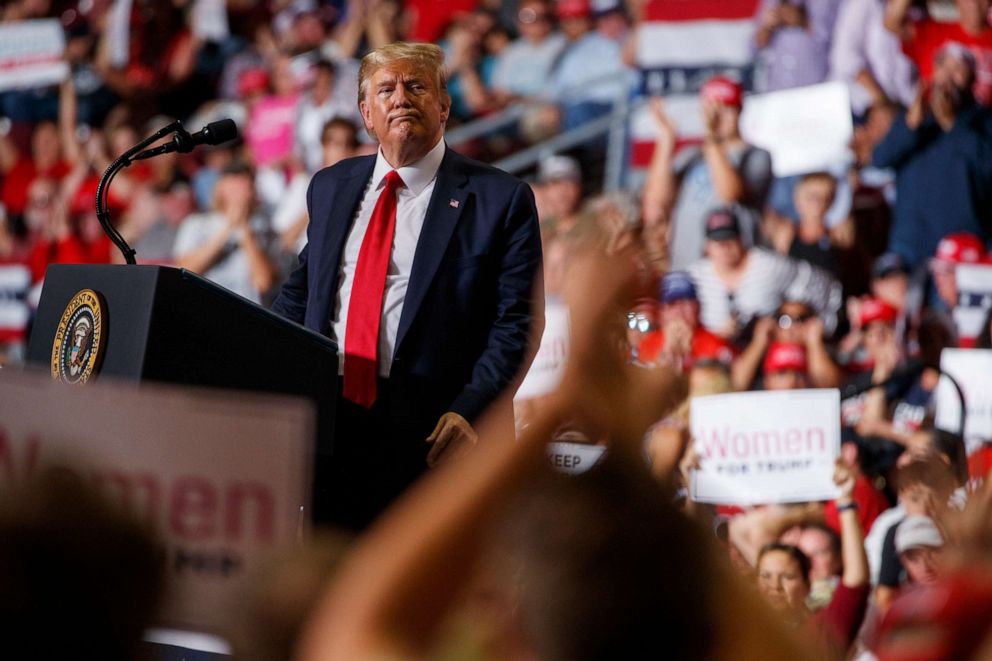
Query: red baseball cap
573, 9
253, 81
725, 90
952, 616
960, 248
783, 356
875, 309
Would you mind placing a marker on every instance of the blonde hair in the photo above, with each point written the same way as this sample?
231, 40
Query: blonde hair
709, 379
428, 58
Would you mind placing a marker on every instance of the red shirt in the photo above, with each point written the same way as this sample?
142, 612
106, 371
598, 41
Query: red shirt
980, 463
17, 181
871, 502
704, 345
836, 625
929, 36
430, 18
69, 250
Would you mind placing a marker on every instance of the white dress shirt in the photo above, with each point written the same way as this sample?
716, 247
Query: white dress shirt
411, 211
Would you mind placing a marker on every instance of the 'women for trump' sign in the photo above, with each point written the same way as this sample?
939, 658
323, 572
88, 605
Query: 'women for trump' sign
765, 447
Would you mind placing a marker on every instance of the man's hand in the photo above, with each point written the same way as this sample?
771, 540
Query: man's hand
917, 111
764, 331
598, 388
813, 332
792, 15
944, 105
667, 132
711, 118
886, 360
678, 338
452, 436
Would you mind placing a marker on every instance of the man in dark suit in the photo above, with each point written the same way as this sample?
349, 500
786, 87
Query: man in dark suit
421, 264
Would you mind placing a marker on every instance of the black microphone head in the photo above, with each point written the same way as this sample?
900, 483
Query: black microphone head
219, 132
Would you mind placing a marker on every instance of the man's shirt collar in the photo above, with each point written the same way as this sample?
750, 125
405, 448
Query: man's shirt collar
417, 175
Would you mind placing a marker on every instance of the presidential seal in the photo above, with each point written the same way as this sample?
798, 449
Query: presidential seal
78, 346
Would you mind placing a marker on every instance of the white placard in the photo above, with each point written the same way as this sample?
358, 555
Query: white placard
974, 283
223, 476
765, 447
119, 33
31, 54
549, 363
574, 458
210, 20
972, 369
806, 129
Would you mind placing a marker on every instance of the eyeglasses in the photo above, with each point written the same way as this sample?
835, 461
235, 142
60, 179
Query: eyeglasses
639, 321
786, 321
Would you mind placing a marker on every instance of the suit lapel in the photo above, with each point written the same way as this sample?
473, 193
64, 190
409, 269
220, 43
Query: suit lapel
341, 215
443, 212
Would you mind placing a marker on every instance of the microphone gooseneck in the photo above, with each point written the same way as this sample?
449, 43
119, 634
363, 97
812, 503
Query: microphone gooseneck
214, 133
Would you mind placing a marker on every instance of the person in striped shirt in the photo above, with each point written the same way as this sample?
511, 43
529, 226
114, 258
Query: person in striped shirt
736, 284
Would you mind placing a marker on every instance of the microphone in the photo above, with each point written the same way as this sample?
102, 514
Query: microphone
214, 133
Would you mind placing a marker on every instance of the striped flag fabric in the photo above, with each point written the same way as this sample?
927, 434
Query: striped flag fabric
15, 282
681, 44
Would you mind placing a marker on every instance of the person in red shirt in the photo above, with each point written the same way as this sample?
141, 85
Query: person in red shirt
20, 170
924, 38
428, 18
681, 340
51, 238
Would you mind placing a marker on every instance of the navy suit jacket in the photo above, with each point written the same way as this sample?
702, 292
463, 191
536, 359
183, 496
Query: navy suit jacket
471, 303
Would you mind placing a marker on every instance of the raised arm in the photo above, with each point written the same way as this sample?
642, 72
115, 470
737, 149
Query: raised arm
852, 538
745, 367
71, 149
727, 181
661, 185
897, 18
390, 598
200, 258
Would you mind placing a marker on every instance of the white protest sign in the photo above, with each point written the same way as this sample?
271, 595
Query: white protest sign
222, 476
31, 54
806, 129
974, 283
545, 372
574, 458
972, 369
765, 447
119, 33
210, 20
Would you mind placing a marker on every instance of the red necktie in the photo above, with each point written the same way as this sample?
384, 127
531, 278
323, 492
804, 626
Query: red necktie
361, 342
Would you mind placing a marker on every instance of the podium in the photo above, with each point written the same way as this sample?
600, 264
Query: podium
166, 324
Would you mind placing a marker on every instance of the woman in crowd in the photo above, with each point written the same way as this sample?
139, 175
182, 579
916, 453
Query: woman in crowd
783, 578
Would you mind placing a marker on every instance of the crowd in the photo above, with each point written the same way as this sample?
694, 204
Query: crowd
729, 278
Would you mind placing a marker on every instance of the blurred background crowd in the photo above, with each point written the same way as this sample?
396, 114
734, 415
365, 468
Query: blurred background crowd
844, 277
